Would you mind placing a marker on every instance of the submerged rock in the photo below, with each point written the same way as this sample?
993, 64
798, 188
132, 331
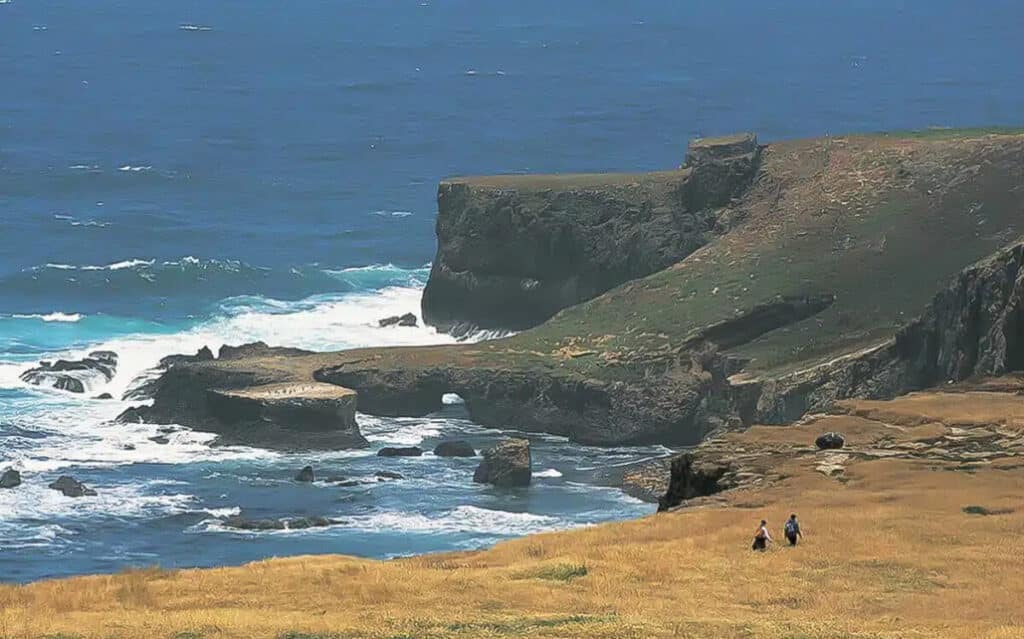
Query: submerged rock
10, 479
829, 441
71, 487
74, 375
104, 396
387, 474
159, 439
306, 475
507, 464
409, 451
399, 320
241, 523
455, 448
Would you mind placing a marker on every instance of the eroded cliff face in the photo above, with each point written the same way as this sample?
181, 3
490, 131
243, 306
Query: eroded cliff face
973, 327
514, 250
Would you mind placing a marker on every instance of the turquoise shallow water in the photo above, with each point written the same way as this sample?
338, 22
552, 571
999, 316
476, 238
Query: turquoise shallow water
182, 174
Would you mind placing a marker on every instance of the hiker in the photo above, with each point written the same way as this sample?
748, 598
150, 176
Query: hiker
761, 537
792, 530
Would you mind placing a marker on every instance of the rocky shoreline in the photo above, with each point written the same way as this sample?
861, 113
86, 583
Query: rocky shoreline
757, 284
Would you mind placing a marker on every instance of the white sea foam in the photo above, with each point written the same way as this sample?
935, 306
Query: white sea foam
194, 27
34, 500
51, 317
549, 473
400, 431
114, 266
464, 519
128, 168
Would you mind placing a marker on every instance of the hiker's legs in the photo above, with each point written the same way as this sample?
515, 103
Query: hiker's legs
792, 539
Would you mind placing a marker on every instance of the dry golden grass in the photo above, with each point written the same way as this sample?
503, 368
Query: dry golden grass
889, 552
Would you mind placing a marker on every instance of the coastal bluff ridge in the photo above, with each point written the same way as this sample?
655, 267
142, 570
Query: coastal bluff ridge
754, 284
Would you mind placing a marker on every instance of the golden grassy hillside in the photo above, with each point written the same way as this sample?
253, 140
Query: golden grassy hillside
889, 552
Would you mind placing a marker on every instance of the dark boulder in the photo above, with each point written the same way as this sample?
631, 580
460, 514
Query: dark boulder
71, 487
410, 451
692, 477
159, 439
386, 474
830, 441
507, 464
204, 354
10, 479
455, 448
305, 475
398, 320
74, 375
104, 396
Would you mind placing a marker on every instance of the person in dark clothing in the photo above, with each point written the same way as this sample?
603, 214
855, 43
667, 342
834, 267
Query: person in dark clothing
792, 530
761, 537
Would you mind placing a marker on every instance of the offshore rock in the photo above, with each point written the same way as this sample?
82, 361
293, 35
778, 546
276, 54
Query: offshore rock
507, 465
301, 523
74, 375
407, 320
306, 475
410, 451
71, 487
252, 406
10, 479
455, 448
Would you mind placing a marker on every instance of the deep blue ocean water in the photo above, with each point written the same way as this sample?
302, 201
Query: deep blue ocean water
189, 173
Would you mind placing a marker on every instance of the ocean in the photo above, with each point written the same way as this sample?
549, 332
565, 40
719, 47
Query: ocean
174, 175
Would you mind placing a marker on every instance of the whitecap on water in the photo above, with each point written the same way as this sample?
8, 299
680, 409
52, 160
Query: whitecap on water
549, 473
464, 519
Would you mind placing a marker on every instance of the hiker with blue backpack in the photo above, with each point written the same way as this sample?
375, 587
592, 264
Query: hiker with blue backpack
792, 530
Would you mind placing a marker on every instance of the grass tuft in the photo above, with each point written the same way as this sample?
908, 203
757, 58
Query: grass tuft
557, 572
985, 512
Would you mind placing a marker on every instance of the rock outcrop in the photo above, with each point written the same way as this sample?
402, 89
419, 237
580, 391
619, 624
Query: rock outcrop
692, 477
514, 250
455, 448
829, 441
407, 320
204, 354
71, 487
407, 451
252, 407
259, 525
75, 376
306, 475
506, 465
10, 479
257, 349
